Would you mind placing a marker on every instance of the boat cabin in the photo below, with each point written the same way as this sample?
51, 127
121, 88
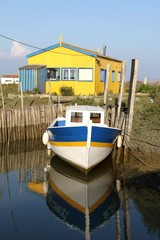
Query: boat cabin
81, 115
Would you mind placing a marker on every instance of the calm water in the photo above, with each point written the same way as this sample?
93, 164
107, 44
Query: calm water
43, 198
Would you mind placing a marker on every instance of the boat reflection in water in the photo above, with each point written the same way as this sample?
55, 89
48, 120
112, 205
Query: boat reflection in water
81, 201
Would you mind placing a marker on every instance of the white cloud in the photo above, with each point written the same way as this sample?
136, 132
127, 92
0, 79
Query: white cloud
18, 50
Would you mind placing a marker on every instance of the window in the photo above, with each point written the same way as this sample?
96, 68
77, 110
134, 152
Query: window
76, 117
53, 73
113, 76
85, 74
103, 75
119, 76
95, 117
68, 74
7, 80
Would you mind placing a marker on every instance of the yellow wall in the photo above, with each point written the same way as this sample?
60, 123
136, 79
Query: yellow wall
66, 58
114, 65
62, 57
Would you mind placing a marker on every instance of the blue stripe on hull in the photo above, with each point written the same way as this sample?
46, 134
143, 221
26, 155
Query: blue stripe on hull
68, 134
106, 135
78, 134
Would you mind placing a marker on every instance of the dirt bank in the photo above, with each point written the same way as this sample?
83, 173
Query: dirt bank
144, 151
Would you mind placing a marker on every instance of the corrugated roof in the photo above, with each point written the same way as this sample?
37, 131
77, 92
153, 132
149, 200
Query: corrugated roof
32, 66
10, 76
72, 47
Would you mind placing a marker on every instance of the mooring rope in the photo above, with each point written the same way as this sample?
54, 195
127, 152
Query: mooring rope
140, 160
138, 140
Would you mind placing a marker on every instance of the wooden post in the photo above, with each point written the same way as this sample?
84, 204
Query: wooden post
106, 90
119, 103
50, 101
22, 119
2, 97
113, 110
131, 97
4, 122
127, 222
22, 104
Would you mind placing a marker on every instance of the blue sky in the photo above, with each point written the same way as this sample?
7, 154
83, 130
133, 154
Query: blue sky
130, 29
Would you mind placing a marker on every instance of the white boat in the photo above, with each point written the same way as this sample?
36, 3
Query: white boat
81, 138
82, 202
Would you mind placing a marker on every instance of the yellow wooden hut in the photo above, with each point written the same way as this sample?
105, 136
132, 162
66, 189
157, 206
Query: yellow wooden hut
82, 69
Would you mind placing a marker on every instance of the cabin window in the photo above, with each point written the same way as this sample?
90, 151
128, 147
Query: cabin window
85, 74
119, 76
113, 76
103, 75
53, 73
68, 74
95, 117
9, 81
76, 117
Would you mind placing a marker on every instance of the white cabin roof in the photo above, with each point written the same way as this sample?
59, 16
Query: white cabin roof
85, 108
82, 114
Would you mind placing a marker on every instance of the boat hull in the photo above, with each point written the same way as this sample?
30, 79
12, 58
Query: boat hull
91, 200
82, 157
83, 146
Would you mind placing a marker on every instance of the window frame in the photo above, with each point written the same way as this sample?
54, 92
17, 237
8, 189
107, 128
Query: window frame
103, 71
57, 77
88, 80
76, 117
119, 76
69, 74
95, 117
113, 76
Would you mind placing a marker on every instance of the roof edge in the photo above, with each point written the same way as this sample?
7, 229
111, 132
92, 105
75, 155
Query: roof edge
43, 50
65, 45
74, 48
32, 66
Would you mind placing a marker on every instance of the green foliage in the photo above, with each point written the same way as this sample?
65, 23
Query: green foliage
36, 91
66, 91
127, 90
142, 88
9, 89
154, 92
54, 94
111, 92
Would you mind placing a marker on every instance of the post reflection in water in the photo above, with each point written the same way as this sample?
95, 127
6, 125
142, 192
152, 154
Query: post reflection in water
83, 202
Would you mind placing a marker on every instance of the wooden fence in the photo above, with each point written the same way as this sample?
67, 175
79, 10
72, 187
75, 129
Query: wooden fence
31, 122
27, 123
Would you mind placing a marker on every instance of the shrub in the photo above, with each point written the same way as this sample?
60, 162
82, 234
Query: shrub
142, 88
36, 91
66, 91
154, 92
